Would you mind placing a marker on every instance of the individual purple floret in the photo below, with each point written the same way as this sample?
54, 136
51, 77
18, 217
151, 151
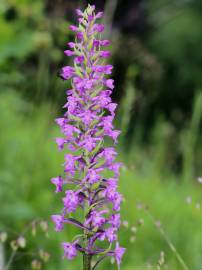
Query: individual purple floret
88, 119
70, 250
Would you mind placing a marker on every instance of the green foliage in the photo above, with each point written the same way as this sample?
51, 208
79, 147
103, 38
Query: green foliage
189, 139
17, 39
176, 40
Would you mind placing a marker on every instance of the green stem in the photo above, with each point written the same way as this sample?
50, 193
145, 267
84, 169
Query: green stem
10, 260
87, 262
98, 262
170, 244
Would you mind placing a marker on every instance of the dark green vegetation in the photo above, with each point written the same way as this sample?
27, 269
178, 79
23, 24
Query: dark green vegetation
158, 74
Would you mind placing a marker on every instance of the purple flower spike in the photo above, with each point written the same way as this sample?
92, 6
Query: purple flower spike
87, 121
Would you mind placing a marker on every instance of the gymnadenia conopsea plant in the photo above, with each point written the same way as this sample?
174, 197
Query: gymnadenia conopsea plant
90, 170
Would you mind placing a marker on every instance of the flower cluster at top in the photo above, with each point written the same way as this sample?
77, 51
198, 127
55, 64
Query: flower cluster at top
88, 119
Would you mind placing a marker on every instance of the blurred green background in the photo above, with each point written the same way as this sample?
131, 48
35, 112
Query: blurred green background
156, 51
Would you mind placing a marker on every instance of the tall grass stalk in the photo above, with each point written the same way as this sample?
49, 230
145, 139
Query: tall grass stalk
168, 241
189, 139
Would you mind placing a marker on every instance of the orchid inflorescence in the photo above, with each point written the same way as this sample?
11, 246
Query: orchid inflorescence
88, 119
